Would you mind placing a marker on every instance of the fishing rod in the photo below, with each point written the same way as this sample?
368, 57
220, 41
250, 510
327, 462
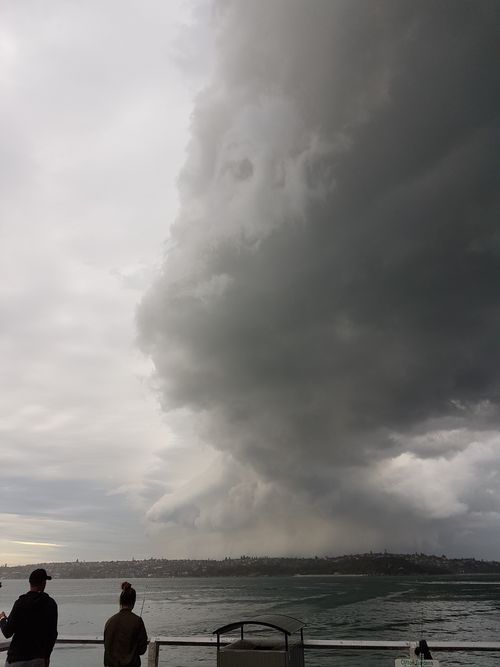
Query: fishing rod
143, 601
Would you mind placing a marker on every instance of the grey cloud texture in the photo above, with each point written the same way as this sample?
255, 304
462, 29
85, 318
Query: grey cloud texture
328, 311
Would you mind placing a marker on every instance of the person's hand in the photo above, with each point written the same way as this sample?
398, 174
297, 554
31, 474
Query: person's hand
2, 615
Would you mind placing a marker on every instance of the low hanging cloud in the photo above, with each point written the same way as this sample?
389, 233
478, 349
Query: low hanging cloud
328, 313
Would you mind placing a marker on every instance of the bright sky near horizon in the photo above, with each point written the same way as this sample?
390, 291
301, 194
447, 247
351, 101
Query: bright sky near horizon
96, 99
249, 269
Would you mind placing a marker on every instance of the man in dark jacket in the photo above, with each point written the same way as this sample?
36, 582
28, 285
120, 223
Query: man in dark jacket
33, 623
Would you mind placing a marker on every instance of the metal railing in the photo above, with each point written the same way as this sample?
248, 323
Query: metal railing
316, 644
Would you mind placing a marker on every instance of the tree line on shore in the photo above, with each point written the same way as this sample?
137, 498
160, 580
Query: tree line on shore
354, 564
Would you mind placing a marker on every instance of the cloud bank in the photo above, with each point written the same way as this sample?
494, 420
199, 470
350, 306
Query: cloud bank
327, 318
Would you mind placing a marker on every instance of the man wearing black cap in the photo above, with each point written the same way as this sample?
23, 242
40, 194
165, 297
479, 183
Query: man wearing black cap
33, 622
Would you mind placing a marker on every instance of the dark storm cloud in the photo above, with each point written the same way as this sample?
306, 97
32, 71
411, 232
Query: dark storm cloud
330, 296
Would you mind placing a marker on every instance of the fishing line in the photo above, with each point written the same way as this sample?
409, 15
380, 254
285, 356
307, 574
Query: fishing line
421, 629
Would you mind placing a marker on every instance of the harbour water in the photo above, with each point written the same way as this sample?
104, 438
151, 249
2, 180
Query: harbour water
397, 608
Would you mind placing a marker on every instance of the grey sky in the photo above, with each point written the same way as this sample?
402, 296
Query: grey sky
318, 329
327, 314
95, 106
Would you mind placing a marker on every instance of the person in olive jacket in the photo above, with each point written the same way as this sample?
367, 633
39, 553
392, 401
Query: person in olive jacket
125, 637
33, 624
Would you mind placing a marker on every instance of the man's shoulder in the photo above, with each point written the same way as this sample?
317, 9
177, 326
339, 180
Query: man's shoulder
22, 600
43, 598
50, 602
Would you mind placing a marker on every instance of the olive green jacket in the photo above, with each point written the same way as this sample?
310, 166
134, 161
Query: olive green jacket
125, 639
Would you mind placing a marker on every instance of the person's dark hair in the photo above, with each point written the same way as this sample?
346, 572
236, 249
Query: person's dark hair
128, 595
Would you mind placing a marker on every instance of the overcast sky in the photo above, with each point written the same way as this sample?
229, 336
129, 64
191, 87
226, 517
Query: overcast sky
250, 278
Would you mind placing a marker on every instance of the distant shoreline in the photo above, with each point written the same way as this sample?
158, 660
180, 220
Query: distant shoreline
370, 564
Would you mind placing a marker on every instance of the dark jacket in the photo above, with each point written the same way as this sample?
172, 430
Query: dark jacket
125, 639
33, 622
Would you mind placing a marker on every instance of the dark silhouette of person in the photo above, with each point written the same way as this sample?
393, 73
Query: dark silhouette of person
32, 623
125, 638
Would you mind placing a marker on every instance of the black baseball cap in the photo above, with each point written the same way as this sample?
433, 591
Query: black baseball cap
39, 576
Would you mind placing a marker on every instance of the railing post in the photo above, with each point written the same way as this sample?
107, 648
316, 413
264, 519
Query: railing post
153, 653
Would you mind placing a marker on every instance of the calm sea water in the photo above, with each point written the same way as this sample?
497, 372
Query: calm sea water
466, 608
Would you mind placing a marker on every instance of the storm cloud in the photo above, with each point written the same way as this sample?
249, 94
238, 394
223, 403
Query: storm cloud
327, 318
